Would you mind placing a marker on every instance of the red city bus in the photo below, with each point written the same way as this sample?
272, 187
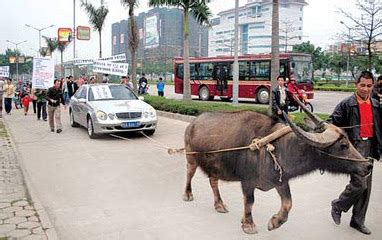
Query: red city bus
212, 76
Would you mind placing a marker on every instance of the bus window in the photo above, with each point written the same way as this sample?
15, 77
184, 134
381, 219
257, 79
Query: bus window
179, 71
244, 70
261, 70
205, 71
193, 71
283, 69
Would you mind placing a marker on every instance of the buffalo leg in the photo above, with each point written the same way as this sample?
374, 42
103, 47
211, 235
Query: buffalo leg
247, 223
286, 204
219, 205
191, 169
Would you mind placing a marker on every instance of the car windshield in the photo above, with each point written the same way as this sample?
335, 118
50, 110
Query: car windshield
302, 69
110, 92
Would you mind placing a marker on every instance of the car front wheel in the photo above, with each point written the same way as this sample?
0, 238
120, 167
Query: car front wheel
72, 122
90, 129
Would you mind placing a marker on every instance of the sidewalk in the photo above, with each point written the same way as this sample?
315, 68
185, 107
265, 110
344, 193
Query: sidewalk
20, 216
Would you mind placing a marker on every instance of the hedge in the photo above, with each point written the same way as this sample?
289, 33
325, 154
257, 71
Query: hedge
334, 88
195, 108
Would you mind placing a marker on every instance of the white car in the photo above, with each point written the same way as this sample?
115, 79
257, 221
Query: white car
110, 108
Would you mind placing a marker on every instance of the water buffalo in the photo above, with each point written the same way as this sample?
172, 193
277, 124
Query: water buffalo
298, 153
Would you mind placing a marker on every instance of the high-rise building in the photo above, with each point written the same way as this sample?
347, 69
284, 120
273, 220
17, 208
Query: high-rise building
255, 28
160, 36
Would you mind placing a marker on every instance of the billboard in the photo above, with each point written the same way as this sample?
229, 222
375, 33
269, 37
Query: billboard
65, 34
152, 35
4, 71
83, 33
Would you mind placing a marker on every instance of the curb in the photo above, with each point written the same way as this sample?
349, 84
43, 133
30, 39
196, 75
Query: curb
43, 216
176, 116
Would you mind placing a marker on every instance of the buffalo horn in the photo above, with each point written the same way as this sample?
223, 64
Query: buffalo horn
317, 120
320, 140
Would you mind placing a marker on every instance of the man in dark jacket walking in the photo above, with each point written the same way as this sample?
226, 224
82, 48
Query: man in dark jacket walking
359, 116
280, 100
55, 97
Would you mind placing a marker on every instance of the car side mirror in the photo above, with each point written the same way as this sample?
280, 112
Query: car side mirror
142, 98
82, 100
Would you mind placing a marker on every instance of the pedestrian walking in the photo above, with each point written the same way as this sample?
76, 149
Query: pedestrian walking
142, 84
1, 96
160, 87
55, 97
359, 117
9, 93
41, 104
34, 100
280, 100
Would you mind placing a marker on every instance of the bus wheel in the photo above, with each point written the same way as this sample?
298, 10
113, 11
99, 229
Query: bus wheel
204, 94
262, 95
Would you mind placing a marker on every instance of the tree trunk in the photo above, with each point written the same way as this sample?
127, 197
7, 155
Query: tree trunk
186, 55
275, 62
100, 44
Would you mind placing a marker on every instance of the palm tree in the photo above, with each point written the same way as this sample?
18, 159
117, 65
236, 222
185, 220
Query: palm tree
51, 44
202, 13
275, 63
43, 51
61, 46
96, 18
133, 39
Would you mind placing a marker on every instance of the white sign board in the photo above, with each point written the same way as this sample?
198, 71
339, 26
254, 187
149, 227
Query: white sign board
115, 58
152, 36
119, 69
101, 92
4, 71
43, 73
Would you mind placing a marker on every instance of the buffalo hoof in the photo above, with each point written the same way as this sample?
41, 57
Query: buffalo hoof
249, 228
188, 197
275, 222
221, 208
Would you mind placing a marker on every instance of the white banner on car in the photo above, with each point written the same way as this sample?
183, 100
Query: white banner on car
119, 69
101, 92
4, 71
43, 73
115, 58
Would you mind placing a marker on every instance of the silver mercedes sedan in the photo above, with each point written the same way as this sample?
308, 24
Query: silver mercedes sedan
110, 108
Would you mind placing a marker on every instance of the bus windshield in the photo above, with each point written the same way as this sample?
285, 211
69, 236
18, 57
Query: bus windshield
302, 69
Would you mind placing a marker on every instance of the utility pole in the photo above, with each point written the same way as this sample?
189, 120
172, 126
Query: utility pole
235, 87
17, 57
348, 53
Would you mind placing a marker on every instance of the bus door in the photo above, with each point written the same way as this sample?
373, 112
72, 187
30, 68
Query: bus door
221, 73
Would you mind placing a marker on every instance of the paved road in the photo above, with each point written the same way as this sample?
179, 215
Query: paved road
130, 189
323, 102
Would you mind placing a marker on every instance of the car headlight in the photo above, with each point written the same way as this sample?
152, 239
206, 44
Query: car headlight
150, 112
101, 115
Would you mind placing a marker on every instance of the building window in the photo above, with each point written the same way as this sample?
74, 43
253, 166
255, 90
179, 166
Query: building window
265, 9
122, 38
300, 18
114, 40
300, 28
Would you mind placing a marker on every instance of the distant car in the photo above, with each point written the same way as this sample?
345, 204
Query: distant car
110, 108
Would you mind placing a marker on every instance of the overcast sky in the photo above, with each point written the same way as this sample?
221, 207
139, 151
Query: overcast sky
321, 22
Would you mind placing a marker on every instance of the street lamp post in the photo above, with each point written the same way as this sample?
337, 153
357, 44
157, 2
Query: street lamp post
348, 55
39, 33
17, 57
235, 87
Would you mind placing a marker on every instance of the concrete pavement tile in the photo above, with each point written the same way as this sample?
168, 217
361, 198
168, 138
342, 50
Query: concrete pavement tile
51, 233
25, 213
29, 208
12, 209
33, 219
37, 230
15, 220
19, 233
5, 228
4, 215
28, 225
4, 205
35, 237
21, 203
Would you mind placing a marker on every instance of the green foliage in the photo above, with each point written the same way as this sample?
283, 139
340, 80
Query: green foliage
318, 57
23, 67
96, 16
332, 87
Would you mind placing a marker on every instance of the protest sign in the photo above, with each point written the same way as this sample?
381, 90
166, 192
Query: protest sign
43, 73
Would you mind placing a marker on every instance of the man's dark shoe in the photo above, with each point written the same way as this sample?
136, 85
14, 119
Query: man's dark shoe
362, 228
52, 130
336, 215
59, 130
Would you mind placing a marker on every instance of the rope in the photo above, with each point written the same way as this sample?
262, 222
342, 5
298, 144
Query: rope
270, 149
342, 158
360, 125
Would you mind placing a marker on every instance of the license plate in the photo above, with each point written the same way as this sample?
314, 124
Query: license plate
130, 124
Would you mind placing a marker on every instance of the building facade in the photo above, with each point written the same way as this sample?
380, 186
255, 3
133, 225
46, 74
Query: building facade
255, 28
161, 36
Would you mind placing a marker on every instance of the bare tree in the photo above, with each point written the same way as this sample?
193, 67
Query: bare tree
287, 29
367, 25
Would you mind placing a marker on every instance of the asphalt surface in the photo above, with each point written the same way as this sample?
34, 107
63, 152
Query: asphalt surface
111, 188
